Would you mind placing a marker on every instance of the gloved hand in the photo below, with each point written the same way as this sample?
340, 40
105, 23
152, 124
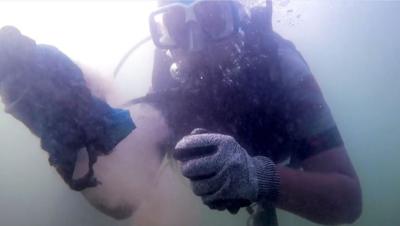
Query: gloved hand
223, 174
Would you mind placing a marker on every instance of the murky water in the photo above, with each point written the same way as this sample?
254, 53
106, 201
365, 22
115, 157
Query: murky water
352, 48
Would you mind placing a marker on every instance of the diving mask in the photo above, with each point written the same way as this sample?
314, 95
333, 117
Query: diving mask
189, 26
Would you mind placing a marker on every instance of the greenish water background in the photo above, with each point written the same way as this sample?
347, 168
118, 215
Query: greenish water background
353, 50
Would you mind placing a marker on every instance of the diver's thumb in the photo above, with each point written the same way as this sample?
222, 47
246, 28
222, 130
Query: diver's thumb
198, 131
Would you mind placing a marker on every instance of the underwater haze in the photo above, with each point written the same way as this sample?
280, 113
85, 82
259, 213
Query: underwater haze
352, 48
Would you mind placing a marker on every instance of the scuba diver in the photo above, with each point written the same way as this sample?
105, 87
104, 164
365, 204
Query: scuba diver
250, 124
245, 118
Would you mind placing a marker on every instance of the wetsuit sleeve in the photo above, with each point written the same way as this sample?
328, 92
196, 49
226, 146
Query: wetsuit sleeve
308, 118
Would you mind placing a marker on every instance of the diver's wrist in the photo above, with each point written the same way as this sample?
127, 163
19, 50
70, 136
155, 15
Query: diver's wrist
268, 180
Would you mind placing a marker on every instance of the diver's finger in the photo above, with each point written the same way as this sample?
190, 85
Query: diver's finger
235, 205
199, 131
200, 168
200, 140
217, 205
208, 186
194, 153
233, 209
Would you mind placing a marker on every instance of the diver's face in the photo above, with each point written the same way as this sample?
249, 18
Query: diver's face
212, 55
203, 34
129, 173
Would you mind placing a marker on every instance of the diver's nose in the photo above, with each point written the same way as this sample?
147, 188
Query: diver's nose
195, 38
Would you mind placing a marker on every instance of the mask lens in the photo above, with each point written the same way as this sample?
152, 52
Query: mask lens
170, 27
216, 18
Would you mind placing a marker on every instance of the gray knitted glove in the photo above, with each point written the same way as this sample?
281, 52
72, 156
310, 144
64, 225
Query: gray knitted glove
223, 174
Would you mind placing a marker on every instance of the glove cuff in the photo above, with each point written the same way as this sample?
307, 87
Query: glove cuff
268, 180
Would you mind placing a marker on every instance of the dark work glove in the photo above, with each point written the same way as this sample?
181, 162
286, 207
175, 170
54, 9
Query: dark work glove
223, 174
45, 90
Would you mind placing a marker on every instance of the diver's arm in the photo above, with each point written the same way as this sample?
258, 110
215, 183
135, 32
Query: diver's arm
327, 191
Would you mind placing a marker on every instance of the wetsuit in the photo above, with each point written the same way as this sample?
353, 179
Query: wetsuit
280, 116
272, 107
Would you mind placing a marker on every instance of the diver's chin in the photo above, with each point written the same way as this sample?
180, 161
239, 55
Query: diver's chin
181, 70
